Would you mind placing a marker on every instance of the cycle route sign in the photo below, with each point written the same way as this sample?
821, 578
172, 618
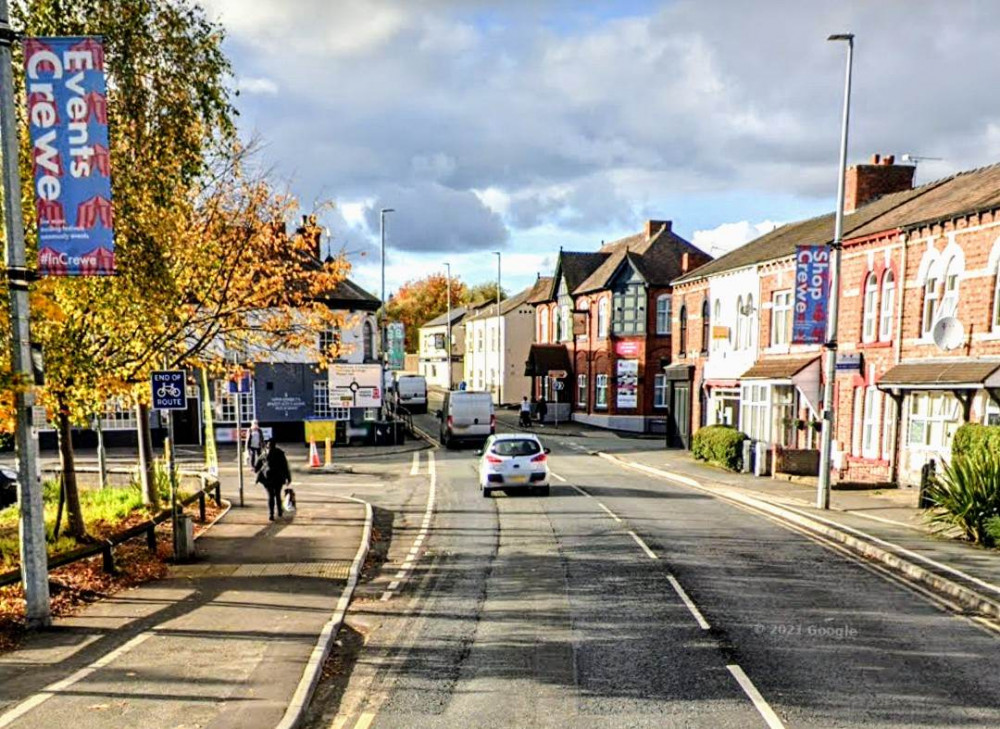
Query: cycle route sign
169, 391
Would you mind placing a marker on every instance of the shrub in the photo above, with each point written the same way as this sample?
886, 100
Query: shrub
719, 444
966, 495
971, 438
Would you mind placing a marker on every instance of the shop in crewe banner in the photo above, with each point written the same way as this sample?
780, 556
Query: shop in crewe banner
68, 126
812, 286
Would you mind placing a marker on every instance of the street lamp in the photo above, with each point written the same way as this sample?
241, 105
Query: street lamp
499, 338
448, 347
381, 327
830, 363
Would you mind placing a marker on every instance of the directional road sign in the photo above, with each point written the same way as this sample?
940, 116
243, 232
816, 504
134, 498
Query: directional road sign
558, 374
169, 391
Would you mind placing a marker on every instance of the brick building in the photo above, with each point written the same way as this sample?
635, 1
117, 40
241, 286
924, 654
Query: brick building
606, 322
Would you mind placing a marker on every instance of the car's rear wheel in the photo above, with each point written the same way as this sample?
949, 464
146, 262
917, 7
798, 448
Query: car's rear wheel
487, 493
542, 490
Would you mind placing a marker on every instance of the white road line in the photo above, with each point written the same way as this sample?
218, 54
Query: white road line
610, 513
557, 477
645, 547
581, 491
751, 691
339, 723
692, 608
9, 717
415, 468
365, 720
425, 525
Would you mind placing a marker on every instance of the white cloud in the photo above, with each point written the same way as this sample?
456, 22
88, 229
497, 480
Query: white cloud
730, 236
249, 85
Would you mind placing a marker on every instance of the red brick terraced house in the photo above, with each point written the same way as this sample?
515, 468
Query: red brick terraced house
606, 323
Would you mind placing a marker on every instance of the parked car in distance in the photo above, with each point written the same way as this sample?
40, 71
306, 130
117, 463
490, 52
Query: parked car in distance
8, 487
466, 416
410, 391
514, 462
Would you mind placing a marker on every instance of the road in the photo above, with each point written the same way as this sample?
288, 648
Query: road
626, 601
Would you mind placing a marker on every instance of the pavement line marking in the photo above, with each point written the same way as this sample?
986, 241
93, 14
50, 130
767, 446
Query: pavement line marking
425, 525
557, 476
645, 547
692, 608
365, 720
415, 468
759, 701
610, 513
339, 723
9, 717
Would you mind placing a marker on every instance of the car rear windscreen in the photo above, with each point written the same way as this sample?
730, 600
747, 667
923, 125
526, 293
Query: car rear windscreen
525, 447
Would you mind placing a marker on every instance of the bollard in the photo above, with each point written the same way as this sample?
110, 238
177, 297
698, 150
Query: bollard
151, 537
201, 506
329, 453
108, 556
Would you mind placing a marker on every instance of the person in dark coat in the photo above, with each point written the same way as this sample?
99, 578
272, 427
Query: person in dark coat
542, 410
273, 473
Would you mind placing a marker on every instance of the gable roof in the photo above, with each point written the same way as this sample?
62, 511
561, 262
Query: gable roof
349, 295
457, 312
658, 259
506, 306
541, 290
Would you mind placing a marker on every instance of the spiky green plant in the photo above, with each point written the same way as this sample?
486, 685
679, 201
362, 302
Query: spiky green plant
966, 495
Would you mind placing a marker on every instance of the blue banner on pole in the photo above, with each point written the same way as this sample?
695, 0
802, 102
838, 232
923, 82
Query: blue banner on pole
68, 125
812, 286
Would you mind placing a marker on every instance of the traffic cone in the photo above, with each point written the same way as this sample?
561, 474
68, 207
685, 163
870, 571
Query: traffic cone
313, 455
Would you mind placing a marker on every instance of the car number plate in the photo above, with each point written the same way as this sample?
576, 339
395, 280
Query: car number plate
517, 479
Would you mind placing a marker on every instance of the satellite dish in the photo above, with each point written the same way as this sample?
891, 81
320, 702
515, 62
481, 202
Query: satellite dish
948, 333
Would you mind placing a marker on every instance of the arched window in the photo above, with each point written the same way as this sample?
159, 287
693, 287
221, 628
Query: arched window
557, 333
716, 313
706, 327
738, 339
584, 305
886, 309
602, 318
663, 315
870, 311
567, 324
683, 337
543, 325
748, 322
368, 340
949, 302
996, 302
930, 305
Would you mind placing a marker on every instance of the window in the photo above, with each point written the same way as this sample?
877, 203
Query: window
781, 318
581, 390
118, 415
706, 327
869, 431
663, 315
660, 391
329, 341
682, 338
934, 418
543, 325
321, 399
629, 310
716, 314
870, 317
556, 325
930, 305
996, 302
511, 448
949, 302
567, 323
886, 311
479, 339
368, 337
888, 428
584, 305
754, 409
738, 341
748, 323
225, 403
601, 391
602, 318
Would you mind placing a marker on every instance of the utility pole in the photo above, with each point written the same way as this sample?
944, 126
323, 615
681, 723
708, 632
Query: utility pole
34, 560
448, 269
381, 325
833, 299
499, 338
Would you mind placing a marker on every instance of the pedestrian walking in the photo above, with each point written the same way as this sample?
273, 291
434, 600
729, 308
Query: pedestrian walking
525, 417
273, 473
254, 443
543, 410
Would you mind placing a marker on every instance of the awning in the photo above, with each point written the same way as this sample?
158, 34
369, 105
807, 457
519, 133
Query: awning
721, 383
956, 374
678, 372
802, 372
545, 358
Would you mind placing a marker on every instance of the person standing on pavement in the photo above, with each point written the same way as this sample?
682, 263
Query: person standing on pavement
254, 443
273, 473
525, 417
543, 410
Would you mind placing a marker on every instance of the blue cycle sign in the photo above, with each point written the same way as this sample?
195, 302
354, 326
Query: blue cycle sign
169, 390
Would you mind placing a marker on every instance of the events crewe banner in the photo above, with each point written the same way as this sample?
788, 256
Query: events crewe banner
68, 122
812, 285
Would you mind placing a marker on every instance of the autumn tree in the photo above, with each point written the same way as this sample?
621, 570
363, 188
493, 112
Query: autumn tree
420, 300
484, 293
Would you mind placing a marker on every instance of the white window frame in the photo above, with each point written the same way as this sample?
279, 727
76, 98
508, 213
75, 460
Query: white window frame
869, 423
543, 326
887, 306
567, 323
869, 326
748, 323
602, 319
660, 389
329, 339
118, 415
225, 403
321, 399
933, 419
755, 410
929, 314
888, 428
663, 315
781, 318
738, 339
581, 390
949, 300
716, 314
601, 392
996, 301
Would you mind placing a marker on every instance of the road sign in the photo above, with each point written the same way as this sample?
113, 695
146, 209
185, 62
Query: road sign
558, 374
239, 384
559, 385
169, 391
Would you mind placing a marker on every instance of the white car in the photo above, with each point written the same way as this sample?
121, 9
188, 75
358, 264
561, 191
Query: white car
514, 461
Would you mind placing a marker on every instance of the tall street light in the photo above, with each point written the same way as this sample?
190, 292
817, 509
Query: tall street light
448, 337
833, 297
381, 327
499, 338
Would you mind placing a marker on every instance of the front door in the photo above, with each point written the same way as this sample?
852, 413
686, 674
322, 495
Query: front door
679, 422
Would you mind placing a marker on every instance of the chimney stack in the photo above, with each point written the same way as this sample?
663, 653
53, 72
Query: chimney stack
655, 226
881, 176
685, 262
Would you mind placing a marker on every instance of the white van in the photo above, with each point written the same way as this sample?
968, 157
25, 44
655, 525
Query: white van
466, 416
410, 391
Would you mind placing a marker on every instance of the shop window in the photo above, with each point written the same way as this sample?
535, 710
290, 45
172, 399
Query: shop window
663, 315
660, 391
886, 309
870, 319
601, 391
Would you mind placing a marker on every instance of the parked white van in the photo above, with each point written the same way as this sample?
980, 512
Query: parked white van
466, 416
410, 391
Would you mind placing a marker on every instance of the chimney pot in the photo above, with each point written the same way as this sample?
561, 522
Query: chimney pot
867, 182
888, 160
875, 159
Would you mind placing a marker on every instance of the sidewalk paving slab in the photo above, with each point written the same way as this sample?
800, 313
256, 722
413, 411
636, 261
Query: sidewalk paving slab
221, 642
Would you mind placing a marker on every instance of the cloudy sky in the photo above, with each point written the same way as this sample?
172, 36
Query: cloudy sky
525, 125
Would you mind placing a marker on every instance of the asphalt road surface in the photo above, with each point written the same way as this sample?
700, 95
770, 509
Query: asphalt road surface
622, 600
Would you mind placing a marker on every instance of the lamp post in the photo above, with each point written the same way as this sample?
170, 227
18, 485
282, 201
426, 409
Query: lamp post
447, 267
833, 298
381, 326
499, 382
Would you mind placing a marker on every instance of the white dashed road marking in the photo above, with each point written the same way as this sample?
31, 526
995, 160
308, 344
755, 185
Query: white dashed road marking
759, 701
415, 468
425, 525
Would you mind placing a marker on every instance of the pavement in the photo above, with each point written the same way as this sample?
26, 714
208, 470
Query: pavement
235, 639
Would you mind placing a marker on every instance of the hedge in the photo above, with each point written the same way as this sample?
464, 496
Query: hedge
972, 438
719, 444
